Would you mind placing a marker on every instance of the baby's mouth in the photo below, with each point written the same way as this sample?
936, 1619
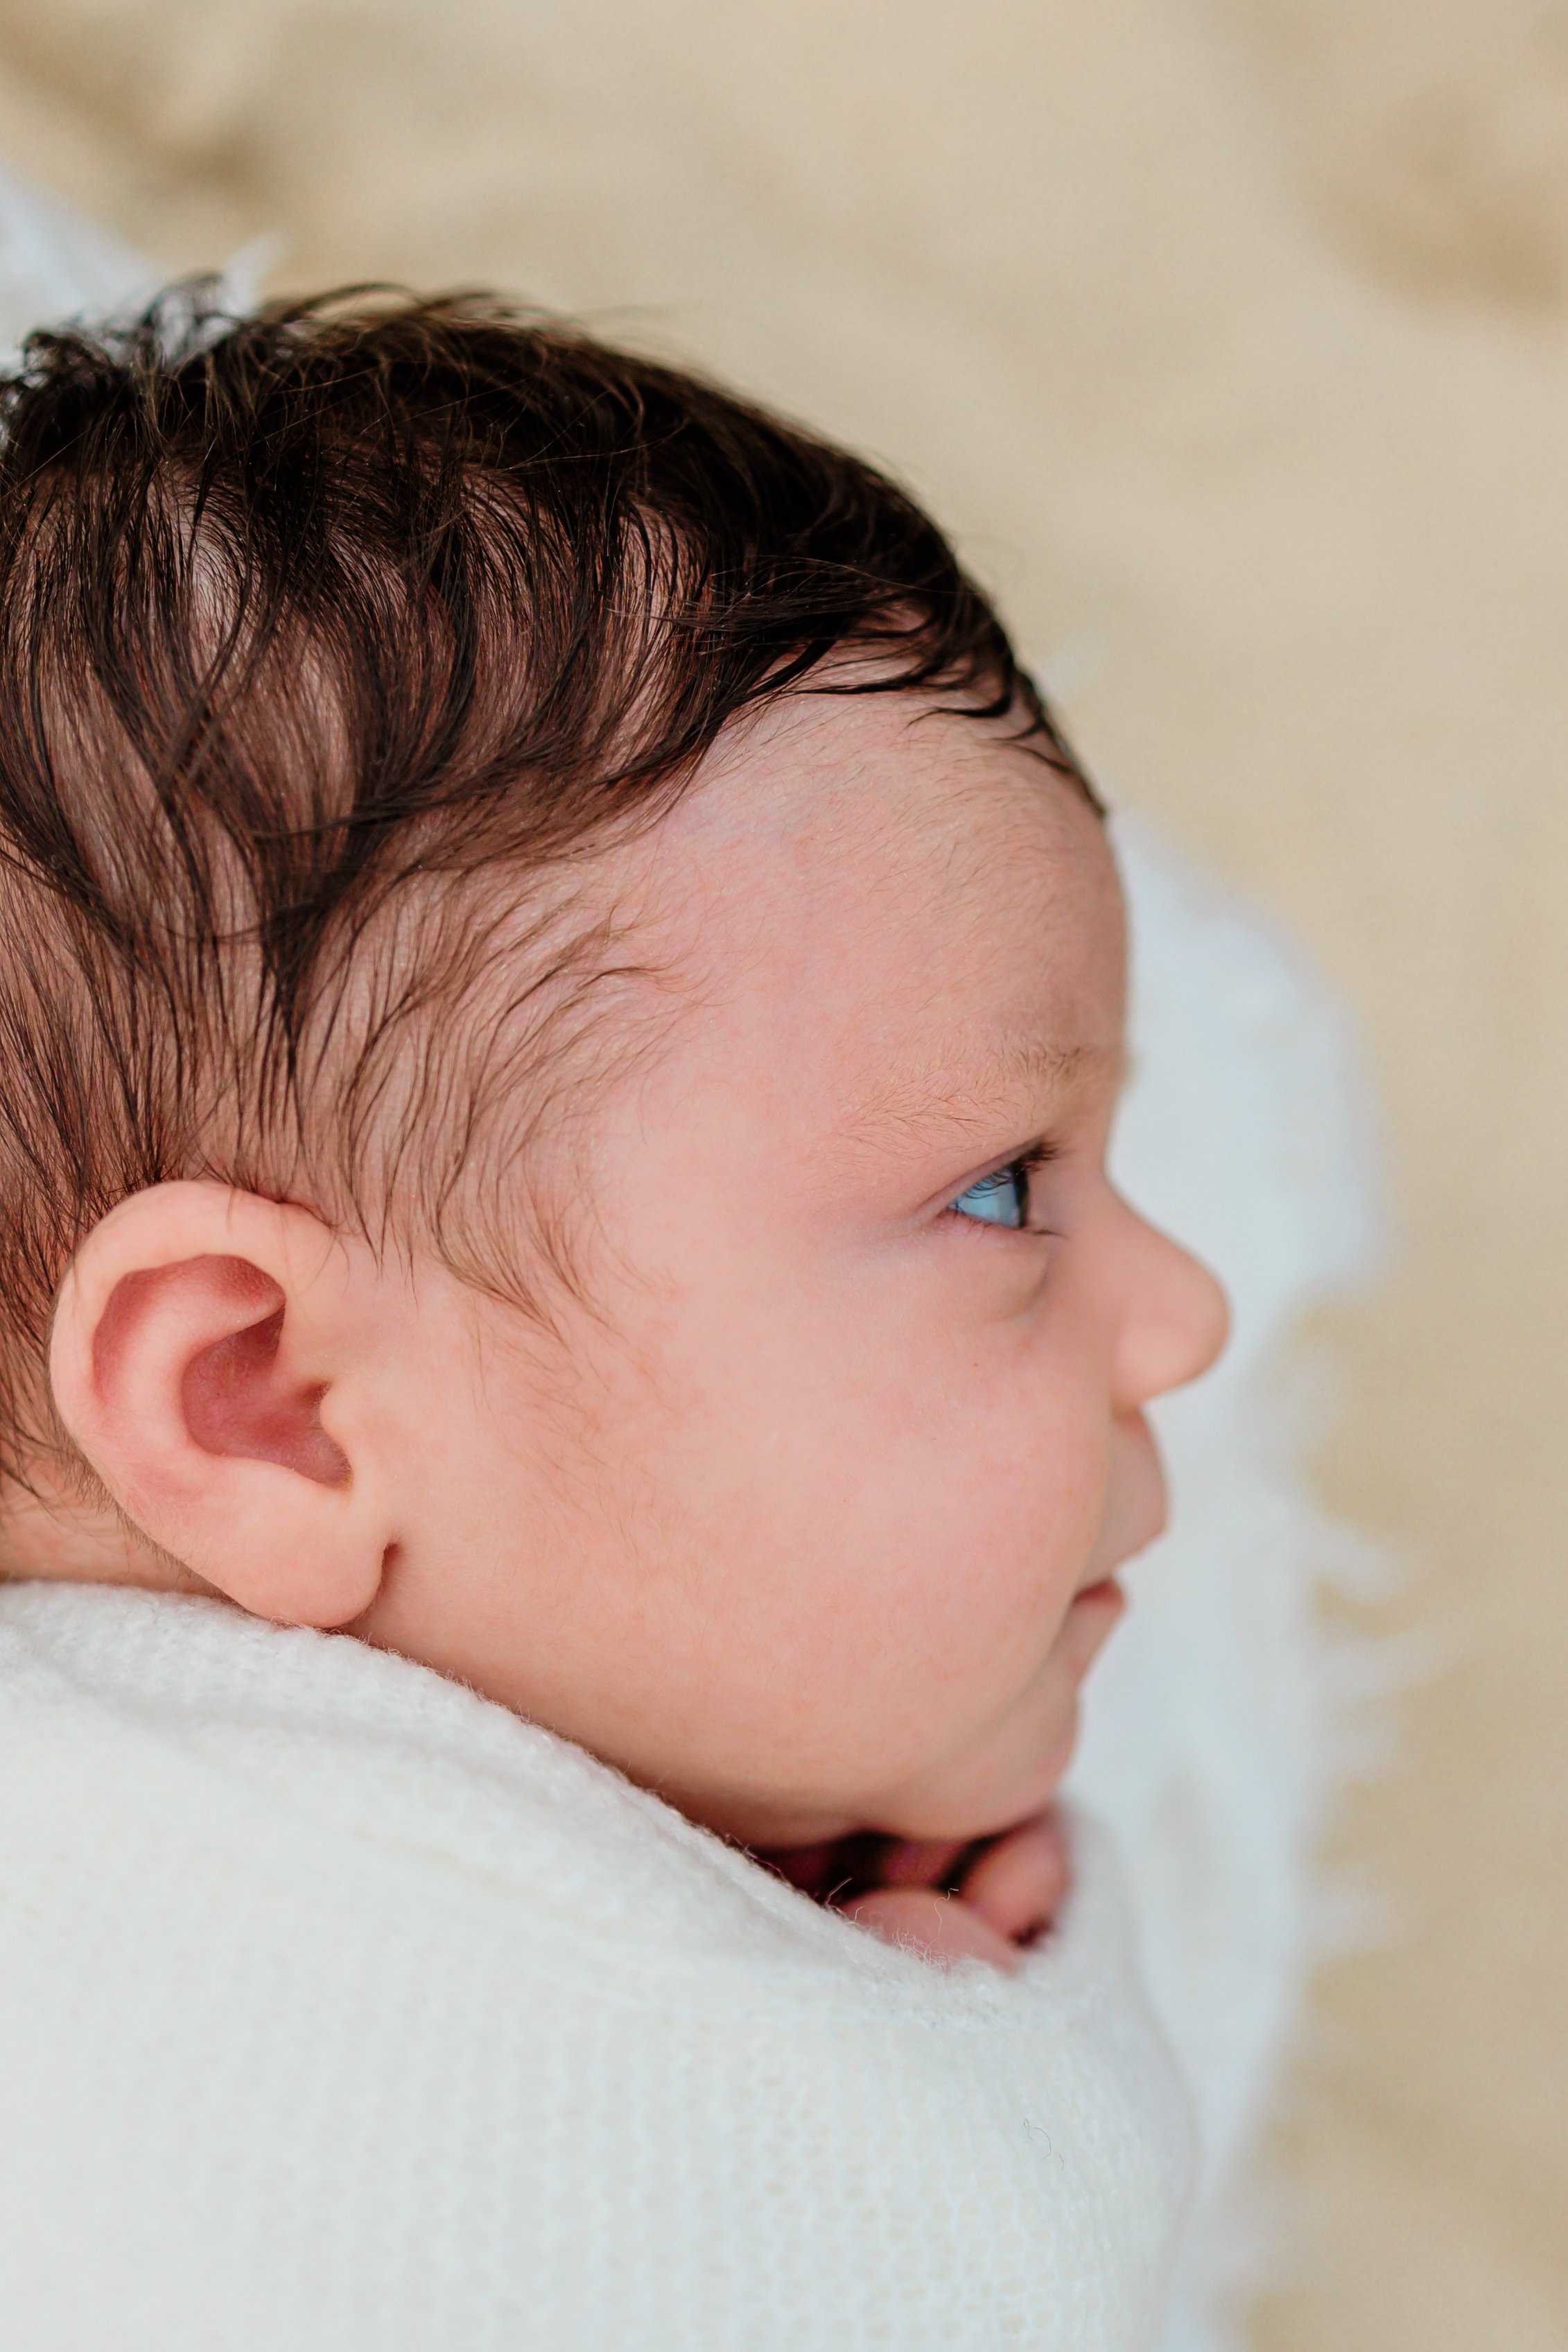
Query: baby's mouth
1091, 1618
1103, 1588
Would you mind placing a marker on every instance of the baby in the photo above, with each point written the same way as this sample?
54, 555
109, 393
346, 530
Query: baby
561, 1012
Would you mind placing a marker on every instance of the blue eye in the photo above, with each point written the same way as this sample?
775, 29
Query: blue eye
999, 1199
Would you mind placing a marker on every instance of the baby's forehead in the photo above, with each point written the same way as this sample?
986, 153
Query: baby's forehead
882, 829
879, 886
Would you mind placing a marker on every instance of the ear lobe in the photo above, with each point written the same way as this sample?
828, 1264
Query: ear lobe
206, 1357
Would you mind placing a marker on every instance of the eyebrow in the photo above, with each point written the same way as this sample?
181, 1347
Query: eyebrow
973, 1096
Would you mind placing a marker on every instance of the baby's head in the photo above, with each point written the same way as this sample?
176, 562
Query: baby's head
560, 1010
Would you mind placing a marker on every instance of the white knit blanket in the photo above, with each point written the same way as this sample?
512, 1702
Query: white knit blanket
341, 2009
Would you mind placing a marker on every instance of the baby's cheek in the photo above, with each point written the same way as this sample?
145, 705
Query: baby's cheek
888, 1550
1027, 1508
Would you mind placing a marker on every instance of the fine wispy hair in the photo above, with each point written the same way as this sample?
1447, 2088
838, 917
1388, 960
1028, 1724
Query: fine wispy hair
335, 643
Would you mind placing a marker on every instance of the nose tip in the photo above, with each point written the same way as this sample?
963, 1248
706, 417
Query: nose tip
1179, 1326
1210, 1315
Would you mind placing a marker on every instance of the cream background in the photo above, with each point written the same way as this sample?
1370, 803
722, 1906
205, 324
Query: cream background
1231, 336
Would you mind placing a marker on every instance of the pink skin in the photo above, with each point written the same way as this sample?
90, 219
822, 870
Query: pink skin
1006, 1899
806, 1514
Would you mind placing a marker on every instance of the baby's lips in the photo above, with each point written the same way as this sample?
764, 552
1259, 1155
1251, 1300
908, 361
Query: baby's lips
1137, 1503
1093, 1617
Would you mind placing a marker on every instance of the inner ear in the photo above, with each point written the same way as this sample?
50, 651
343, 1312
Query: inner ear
234, 1402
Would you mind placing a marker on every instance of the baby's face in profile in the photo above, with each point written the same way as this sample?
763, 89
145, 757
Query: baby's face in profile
787, 1456
807, 1515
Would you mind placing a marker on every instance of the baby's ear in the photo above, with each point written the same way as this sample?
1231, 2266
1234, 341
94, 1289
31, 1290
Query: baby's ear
214, 1356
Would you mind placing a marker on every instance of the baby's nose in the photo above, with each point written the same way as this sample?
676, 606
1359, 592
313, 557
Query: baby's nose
1176, 1323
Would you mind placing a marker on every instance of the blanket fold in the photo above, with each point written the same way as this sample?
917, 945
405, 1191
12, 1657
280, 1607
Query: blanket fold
341, 2009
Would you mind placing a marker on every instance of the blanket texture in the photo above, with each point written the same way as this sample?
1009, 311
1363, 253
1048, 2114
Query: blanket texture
341, 2009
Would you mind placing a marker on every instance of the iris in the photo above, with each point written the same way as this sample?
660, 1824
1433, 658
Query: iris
999, 1199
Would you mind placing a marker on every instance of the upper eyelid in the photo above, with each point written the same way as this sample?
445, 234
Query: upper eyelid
1038, 1154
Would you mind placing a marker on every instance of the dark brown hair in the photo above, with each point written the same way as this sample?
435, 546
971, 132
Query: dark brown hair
311, 623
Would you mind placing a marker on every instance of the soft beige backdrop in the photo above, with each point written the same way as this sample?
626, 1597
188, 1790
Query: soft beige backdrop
1232, 337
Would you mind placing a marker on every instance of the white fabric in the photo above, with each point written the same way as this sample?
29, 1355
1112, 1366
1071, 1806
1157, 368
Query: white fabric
1221, 1720
341, 2009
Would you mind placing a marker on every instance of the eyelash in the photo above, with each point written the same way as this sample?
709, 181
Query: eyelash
1022, 1169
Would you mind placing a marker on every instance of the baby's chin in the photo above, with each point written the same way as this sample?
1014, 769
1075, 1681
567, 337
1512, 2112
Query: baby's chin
1016, 1769
980, 1804
990, 1791
1001, 1775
